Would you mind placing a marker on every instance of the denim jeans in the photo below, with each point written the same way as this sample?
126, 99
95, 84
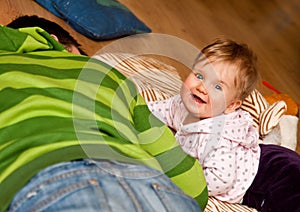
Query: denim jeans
88, 185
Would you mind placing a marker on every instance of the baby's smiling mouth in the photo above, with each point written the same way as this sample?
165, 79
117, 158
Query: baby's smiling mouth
198, 99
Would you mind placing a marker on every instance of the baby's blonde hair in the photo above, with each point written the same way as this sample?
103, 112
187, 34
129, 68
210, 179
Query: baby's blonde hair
241, 59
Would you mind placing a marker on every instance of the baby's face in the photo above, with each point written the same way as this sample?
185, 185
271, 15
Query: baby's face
209, 90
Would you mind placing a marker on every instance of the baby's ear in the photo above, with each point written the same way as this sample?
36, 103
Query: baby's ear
233, 106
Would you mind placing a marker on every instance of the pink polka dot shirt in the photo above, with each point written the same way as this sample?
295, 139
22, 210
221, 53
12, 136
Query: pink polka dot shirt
226, 146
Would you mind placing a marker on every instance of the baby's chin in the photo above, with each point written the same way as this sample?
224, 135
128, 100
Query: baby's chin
198, 114
195, 117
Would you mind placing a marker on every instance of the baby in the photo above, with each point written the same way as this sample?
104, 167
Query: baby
210, 126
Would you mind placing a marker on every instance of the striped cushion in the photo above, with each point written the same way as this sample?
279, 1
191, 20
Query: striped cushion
270, 118
266, 117
255, 104
155, 80
215, 205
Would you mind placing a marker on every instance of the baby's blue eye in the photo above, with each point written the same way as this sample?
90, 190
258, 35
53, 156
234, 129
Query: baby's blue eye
219, 87
199, 76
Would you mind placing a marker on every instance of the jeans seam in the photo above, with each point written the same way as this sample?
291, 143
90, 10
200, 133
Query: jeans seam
129, 191
157, 189
63, 191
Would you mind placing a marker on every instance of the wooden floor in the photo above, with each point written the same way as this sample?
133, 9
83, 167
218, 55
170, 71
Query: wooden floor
271, 28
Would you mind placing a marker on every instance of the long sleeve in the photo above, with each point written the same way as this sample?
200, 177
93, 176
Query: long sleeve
219, 170
168, 111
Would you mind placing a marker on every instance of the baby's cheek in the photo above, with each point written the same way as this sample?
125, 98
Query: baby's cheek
190, 81
217, 107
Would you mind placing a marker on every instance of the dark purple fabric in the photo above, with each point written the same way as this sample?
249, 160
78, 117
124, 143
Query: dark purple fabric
276, 186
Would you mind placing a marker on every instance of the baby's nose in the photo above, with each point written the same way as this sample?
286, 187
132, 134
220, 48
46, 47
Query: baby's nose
201, 88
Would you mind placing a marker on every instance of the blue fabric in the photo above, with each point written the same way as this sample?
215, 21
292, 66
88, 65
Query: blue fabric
87, 185
97, 19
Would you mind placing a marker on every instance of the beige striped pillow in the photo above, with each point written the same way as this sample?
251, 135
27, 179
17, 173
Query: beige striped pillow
266, 117
154, 79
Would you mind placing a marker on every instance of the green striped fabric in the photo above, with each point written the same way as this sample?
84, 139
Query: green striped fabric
57, 107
